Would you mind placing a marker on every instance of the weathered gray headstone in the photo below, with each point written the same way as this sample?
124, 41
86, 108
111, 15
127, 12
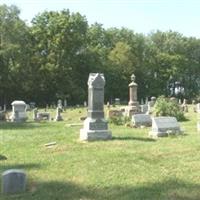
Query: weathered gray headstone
18, 111
95, 126
117, 101
141, 120
163, 126
35, 111
58, 115
13, 181
85, 103
43, 116
65, 103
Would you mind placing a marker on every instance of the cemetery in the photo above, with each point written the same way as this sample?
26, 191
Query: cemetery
88, 113
57, 155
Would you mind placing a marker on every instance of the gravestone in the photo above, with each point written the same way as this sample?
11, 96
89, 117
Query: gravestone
133, 104
184, 106
13, 181
32, 105
43, 116
18, 111
163, 126
117, 101
59, 104
85, 103
95, 126
65, 103
35, 111
28, 108
4, 107
58, 115
143, 108
141, 120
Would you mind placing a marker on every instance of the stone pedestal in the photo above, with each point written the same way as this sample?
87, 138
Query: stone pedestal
95, 126
133, 105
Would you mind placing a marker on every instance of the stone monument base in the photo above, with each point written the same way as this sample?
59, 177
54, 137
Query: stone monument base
131, 110
95, 129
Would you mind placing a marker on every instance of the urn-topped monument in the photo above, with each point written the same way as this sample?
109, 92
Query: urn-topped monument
133, 104
95, 126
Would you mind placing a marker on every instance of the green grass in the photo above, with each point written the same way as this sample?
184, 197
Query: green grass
130, 166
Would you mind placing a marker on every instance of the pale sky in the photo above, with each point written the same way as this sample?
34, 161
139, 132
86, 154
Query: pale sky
142, 16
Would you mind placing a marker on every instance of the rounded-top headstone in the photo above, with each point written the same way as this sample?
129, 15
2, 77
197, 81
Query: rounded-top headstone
18, 103
13, 181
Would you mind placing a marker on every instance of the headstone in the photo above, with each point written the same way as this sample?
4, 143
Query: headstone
65, 103
117, 101
28, 108
18, 111
58, 115
85, 103
95, 126
35, 111
13, 181
4, 107
153, 101
32, 105
146, 100
59, 104
141, 120
133, 104
163, 126
184, 106
43, 116
108, 104
143, 108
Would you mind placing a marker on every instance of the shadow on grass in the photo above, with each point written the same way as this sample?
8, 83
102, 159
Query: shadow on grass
22, 125
2, 157
134, 138
169, 189
26, 166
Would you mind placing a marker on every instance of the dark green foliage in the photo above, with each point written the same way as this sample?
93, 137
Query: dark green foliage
119, 120
53, 57
166, 107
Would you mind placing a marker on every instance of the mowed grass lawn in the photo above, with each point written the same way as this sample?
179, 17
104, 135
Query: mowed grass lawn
130, 166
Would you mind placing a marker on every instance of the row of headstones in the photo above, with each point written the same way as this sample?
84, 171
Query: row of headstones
19, 113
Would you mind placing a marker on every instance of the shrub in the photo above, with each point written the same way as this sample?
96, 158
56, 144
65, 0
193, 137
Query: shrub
166, 107
119, 120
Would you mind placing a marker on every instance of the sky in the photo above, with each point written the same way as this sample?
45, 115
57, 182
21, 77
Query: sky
141, 16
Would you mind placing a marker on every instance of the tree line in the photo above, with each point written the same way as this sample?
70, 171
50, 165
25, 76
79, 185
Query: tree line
52, 57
